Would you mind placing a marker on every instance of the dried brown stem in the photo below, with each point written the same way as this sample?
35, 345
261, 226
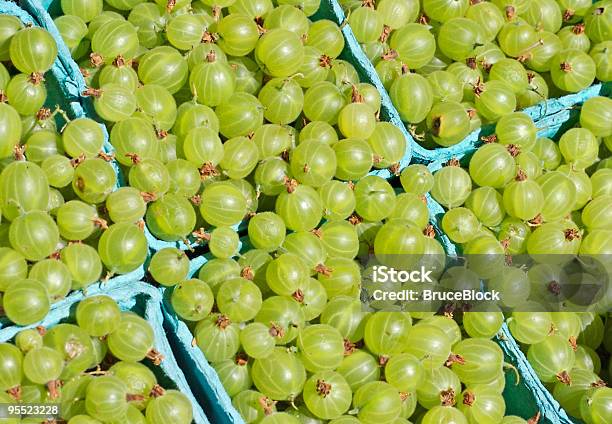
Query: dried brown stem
386, 32
290, 184
96, 60
389, 55
349, 347
43, 114
148, 197
19, 152
157, 391
564, 378
479, 87
100, 223
520, 175
53, 389
223, 321
572, 234
267, 405
15, 392
209, 37
323, 270
276, 331
208, 170
196, 199
77, 161
323, 388
429, 231
241, 359
554, 287
447, 397
568, 14
536, 221
298, 295
247, 272
469, 398
108, 157
201, 236
453, 162
513, 149
454, 359
355, 219
36, 78
155, 356
356, 96
130, 397
394, 169
325, 61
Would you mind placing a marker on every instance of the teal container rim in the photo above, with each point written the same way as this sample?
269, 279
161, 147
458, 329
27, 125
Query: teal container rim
124, 292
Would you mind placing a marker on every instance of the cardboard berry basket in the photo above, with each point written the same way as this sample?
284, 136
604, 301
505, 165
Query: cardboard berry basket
145, 301
67, 87
331, 9
524, 394
62, 93
553, 126
73, 85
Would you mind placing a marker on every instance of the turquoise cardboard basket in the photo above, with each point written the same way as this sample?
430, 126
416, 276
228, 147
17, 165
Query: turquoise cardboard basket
524, 394
144, 300
63, 89
567, 111
331, 9
66, 84
74, 84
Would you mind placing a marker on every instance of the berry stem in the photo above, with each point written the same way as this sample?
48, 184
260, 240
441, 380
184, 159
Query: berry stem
155, 356
516, 372
447, 397
157, 391
15, 392
53, 388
